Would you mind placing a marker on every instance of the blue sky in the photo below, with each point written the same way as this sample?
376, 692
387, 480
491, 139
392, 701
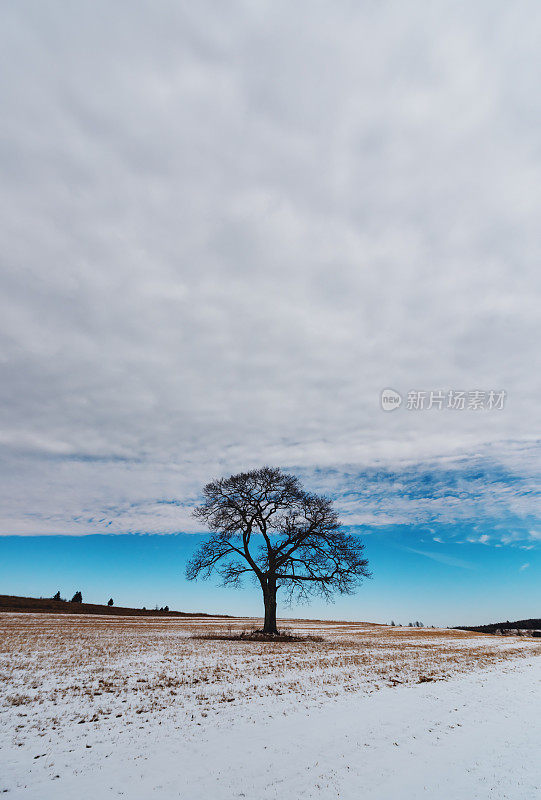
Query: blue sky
414, 578
225, 230
450, 541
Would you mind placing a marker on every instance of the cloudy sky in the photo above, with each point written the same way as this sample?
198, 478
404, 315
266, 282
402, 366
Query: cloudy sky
225, 228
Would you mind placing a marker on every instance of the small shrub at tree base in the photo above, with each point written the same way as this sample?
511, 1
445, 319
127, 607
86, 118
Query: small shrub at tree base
257, 636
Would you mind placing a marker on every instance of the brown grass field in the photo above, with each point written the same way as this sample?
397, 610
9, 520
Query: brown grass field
57, 669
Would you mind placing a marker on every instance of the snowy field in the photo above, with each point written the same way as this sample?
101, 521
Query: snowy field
103, 707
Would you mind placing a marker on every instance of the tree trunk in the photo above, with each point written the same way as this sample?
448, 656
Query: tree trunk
269, 597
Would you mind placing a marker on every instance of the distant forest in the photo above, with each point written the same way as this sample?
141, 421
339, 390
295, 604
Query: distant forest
520, 624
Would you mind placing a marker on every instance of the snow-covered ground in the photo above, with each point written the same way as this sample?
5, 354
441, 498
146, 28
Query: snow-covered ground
107, 708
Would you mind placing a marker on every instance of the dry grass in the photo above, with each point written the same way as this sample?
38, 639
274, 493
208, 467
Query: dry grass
256, 635
62, 668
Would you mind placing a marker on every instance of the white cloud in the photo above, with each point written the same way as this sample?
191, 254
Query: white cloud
226, 230
450, 561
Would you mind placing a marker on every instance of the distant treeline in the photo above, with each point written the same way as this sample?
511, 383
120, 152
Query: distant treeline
45, 605
519, 624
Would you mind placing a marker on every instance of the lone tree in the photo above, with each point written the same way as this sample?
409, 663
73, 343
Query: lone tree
77, 598
110, 602
263, 523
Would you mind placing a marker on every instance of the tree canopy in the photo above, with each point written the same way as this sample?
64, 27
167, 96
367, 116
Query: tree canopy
264, 524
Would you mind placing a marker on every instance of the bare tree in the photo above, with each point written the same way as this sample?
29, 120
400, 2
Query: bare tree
263, 523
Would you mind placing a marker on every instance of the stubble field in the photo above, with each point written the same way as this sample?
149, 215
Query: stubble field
143, 707
55, 669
